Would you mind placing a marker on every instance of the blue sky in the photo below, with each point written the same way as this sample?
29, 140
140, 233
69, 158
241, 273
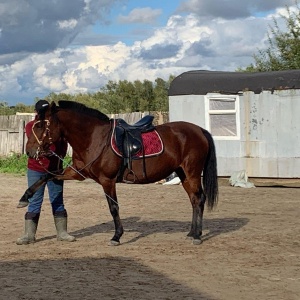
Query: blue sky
78, 46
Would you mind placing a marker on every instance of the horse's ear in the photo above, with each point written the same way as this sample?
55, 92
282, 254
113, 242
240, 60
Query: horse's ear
53, 106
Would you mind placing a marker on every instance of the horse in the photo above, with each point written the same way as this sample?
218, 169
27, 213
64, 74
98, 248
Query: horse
186, 149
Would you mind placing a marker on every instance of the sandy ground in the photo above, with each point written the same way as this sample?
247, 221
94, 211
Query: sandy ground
251, 247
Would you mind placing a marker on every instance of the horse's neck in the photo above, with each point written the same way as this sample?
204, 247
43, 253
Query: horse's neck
82, 133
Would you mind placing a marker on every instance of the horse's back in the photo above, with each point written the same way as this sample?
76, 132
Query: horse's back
182, 131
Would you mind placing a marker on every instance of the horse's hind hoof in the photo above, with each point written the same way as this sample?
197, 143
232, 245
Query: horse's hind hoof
114, 243
197, 241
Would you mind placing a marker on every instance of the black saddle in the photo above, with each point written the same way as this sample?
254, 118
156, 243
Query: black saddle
144, 124
129, 139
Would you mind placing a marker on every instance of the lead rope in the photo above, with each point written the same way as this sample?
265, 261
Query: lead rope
68, 165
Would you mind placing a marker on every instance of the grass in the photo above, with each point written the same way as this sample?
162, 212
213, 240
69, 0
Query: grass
17, 164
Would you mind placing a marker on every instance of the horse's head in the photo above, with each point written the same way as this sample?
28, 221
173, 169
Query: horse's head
45, 131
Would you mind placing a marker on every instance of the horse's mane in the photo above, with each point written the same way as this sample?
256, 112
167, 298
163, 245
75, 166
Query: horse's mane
81, 108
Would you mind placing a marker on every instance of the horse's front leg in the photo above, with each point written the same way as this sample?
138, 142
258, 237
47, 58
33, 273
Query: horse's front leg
68, 174
24, 201
109, 188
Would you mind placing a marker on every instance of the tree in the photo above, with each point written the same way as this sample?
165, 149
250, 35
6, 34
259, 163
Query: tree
283, 52
4, 108
115, 97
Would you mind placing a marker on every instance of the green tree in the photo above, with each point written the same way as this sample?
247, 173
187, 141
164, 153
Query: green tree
147, 97
115, 97
161, 94
283, 52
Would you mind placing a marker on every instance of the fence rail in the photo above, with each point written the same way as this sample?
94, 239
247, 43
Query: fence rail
13, 138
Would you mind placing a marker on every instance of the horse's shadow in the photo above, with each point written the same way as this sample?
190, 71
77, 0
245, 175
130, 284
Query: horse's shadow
145, 228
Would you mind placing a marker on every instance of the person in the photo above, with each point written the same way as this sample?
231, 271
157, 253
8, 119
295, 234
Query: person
35, 170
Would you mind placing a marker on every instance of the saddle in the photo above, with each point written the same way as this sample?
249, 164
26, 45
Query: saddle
129, 141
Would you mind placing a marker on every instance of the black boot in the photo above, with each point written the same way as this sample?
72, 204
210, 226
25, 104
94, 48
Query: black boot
31, 223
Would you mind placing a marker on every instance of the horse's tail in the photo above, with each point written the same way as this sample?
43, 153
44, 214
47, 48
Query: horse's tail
210, 174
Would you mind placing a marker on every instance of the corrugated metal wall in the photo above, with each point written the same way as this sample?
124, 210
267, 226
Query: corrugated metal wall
269, 142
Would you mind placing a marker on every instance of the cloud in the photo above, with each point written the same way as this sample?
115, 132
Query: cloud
43, 60
159, 51
232, 9
145, 15
39, 26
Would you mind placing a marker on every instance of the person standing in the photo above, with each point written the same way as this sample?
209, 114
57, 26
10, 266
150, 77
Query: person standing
35, 170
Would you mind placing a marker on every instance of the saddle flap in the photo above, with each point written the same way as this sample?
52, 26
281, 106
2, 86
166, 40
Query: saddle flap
135, 143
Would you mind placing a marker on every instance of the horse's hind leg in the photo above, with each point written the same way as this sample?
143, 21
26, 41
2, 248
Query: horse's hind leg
111, 196
197, 199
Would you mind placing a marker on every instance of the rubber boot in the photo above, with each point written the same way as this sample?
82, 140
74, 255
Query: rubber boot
61, 221
31, 223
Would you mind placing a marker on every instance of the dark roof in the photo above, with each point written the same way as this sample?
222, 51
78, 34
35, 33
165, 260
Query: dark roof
203, 82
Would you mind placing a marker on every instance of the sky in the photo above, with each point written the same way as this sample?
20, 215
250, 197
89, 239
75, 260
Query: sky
77, 46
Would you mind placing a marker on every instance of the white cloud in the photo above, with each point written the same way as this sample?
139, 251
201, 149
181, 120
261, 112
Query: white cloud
184, 43
141, 15
67, 24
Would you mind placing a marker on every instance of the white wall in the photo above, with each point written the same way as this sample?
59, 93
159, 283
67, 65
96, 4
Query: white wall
269, 144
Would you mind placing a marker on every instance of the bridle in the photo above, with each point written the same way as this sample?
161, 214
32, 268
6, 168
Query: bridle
45, 133
41, 151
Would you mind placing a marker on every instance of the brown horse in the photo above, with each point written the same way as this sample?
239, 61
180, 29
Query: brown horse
187, 150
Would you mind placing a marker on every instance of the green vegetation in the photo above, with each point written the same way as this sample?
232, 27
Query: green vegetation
17, 164
116, 97
283, 52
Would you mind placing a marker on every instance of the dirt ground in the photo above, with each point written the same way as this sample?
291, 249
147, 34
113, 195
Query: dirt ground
251, 247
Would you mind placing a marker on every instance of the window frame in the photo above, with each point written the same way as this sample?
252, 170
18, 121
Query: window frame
235, 111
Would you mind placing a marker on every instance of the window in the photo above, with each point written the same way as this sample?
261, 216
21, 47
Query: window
222, 116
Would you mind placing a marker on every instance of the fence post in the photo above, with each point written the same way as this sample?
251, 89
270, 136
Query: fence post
21, 137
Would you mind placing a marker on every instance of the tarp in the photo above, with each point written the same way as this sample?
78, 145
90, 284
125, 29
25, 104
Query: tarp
240, 179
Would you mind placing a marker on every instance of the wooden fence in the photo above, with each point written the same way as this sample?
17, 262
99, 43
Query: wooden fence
13, 138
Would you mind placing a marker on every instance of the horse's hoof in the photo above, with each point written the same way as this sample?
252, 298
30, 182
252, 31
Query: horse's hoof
22, 204
114, 243
197, 241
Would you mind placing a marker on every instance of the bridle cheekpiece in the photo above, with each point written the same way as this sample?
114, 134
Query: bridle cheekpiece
46, 133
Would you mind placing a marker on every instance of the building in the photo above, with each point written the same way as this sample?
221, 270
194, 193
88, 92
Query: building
253, 117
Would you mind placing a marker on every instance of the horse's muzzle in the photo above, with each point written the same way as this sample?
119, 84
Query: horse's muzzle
35, 153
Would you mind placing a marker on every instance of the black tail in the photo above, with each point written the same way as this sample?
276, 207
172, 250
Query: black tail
210, 174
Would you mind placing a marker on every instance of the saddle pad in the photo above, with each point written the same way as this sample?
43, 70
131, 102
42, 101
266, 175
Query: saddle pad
152, 144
